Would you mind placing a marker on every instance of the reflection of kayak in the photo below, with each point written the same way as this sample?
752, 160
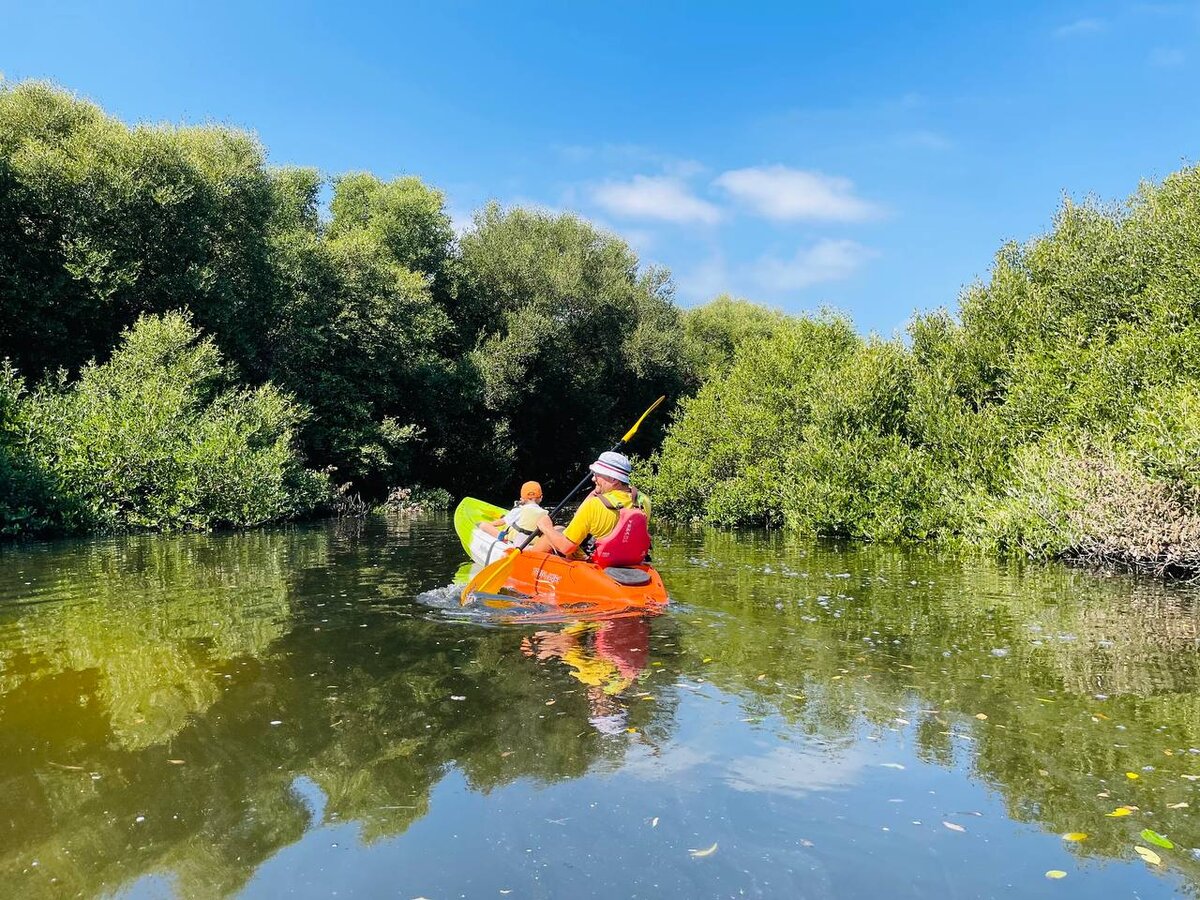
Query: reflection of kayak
549, 576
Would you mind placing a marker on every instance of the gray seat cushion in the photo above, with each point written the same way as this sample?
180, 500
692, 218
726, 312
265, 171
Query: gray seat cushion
627, 576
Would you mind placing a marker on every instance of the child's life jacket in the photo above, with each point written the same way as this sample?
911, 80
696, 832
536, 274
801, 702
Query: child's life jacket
629, 542
523, 524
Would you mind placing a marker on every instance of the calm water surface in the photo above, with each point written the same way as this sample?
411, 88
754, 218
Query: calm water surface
305, 713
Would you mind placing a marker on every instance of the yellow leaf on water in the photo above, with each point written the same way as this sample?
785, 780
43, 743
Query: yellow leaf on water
175, 762
1043, 772
981, 716
1132, 776
1100, 715
1056, 873
762, 676
1075, 836
1181, 805
1149, 855
953, 827
706, 659
1118, 812
707, 851
550, 702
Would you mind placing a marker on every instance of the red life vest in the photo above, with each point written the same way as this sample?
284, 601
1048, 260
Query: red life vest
629, 542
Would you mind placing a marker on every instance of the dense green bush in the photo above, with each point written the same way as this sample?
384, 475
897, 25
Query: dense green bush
1056, 414
27, 499
157, 438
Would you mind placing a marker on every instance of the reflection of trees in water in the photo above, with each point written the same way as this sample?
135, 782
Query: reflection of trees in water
209, 641
927, 644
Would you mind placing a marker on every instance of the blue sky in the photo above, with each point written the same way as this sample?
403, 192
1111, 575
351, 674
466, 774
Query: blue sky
865, 156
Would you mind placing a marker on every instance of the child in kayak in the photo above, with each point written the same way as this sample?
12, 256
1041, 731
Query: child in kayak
520, 522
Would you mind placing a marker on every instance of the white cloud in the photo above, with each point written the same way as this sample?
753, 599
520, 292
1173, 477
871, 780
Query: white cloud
1166, 57
655, 197
778, 192
826, 260
794, 772
1080, 27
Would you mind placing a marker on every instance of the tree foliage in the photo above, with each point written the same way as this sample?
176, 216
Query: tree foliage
157, 438
577, 342
407, 350
1079, 355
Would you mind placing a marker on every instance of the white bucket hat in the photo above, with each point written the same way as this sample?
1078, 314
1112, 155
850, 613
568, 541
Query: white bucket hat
612, 465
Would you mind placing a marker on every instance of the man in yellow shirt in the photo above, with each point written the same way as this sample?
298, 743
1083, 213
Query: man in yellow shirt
598, 514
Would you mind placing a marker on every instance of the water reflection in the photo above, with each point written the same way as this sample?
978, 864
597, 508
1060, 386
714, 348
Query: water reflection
606, 657
193, 711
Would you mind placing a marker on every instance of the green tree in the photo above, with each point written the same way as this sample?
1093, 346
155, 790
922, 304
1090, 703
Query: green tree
101, 223
715, 331
578, 340
156, 438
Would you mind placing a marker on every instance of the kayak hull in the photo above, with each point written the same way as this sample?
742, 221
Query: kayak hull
553, 578
557, 579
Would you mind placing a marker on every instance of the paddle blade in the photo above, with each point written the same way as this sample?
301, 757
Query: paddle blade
489, 579
632, 431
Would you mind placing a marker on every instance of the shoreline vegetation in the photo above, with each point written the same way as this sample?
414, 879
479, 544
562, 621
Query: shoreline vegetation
191, 340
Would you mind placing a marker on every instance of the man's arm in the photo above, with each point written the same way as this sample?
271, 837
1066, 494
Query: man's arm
553, 538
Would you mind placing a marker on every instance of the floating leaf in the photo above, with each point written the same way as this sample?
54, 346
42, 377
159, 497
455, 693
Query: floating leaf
550, 702
654, 822
1132, 776
175, 762
1118, 812
1157, 839
1056, 873
953, 827
1074, 836
981, 716
1181, 805
707, 851
1149, 855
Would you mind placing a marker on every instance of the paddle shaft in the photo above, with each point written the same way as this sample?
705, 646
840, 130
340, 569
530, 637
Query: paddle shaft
567, 499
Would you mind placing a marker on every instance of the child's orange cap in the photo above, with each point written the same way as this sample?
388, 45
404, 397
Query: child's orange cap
531, 490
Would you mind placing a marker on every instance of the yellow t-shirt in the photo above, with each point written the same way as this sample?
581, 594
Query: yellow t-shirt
596, 519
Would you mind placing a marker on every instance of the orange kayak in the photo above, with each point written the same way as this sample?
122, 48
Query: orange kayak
555, 579
565, 581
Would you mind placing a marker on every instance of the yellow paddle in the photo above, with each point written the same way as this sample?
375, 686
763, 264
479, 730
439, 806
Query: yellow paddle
492, 577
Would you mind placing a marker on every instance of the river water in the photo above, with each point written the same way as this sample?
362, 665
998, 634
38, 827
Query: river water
308, 712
